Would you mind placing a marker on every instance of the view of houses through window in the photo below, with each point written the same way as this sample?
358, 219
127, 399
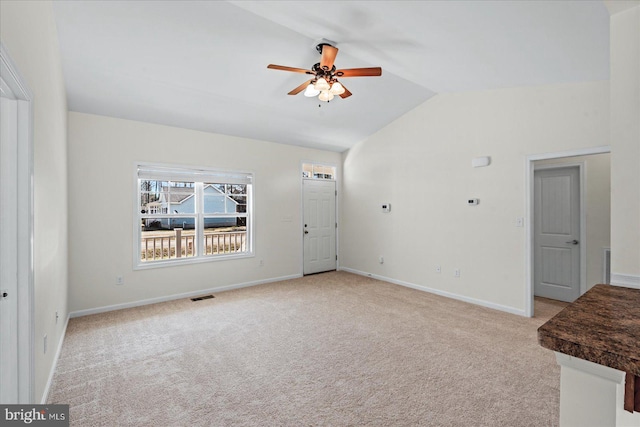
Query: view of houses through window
182, 218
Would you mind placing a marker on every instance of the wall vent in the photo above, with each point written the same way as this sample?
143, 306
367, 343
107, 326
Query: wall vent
202, 297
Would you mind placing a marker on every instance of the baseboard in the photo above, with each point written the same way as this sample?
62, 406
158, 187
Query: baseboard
45, 393
139, 303
439, 292
626, 280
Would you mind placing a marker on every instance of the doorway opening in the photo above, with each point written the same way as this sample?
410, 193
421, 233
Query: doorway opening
595, 201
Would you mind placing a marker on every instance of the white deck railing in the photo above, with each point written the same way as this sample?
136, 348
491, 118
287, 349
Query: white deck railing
171, 246
224, 243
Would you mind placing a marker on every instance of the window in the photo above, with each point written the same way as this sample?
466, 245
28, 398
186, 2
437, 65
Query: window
315, 171
191, 215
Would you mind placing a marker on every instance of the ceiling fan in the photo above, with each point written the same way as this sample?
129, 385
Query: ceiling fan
324, 83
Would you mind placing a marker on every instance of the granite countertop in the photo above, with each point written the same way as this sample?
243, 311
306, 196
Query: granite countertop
602, 326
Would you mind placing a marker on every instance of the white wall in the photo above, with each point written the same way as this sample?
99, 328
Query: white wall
597, 206
421, 164
28, 31
102, 152
625, 143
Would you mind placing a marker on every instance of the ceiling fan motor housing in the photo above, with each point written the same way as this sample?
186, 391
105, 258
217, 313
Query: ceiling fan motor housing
326, 74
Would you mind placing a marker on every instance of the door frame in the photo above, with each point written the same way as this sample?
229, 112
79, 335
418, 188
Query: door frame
25, 269
529, 214
301, 223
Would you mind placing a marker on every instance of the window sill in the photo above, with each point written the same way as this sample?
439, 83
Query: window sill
188, 261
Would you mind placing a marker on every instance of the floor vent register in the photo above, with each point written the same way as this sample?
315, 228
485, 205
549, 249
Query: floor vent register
202, 297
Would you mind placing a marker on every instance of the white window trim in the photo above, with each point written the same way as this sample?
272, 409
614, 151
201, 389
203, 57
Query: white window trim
204, 173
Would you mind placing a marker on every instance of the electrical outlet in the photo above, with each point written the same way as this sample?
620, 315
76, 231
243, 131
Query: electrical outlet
381, 259
261, 263
456, 272
44, 344
119, 280
438, 269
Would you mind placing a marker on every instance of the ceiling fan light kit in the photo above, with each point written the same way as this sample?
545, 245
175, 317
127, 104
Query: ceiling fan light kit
337, 89
325, 84
321, 84
326, 96
311, 91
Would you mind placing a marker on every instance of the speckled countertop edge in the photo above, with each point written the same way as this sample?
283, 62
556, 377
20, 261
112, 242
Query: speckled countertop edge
602, 326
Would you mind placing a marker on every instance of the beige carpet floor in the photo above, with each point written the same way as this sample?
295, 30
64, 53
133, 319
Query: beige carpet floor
333, 349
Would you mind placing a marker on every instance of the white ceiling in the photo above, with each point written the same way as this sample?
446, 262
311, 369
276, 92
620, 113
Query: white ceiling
203, 64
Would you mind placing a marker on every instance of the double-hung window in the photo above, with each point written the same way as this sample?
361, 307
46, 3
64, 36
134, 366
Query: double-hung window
191, 214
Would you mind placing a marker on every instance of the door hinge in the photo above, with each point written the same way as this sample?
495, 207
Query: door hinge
336, 192
336, 225
336, 257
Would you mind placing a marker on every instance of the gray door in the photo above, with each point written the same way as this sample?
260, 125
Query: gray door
557, 233
319, 226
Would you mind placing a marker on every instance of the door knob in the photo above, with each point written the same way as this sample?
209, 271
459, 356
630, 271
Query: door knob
573, 242
306, 232
4, 295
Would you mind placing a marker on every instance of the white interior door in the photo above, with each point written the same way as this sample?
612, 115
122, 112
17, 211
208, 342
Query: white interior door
8, 250
557, 233
16, 235
319, 226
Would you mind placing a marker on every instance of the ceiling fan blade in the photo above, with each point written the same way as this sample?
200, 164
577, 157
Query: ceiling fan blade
328, 57
359, 72
346, 93
292, 69
300, 88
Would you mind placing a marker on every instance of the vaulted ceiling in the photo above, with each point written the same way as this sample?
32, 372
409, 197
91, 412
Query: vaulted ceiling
203, 64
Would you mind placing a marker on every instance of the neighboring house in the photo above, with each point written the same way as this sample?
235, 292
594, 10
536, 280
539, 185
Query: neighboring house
215, 202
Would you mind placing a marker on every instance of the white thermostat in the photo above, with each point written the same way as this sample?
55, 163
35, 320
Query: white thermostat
473, 202
386, 207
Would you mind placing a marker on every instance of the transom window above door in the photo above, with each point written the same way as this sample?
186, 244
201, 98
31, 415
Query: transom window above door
318, 171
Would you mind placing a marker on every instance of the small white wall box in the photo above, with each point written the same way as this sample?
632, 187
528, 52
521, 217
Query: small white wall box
480, 162
473, 202
386, 207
